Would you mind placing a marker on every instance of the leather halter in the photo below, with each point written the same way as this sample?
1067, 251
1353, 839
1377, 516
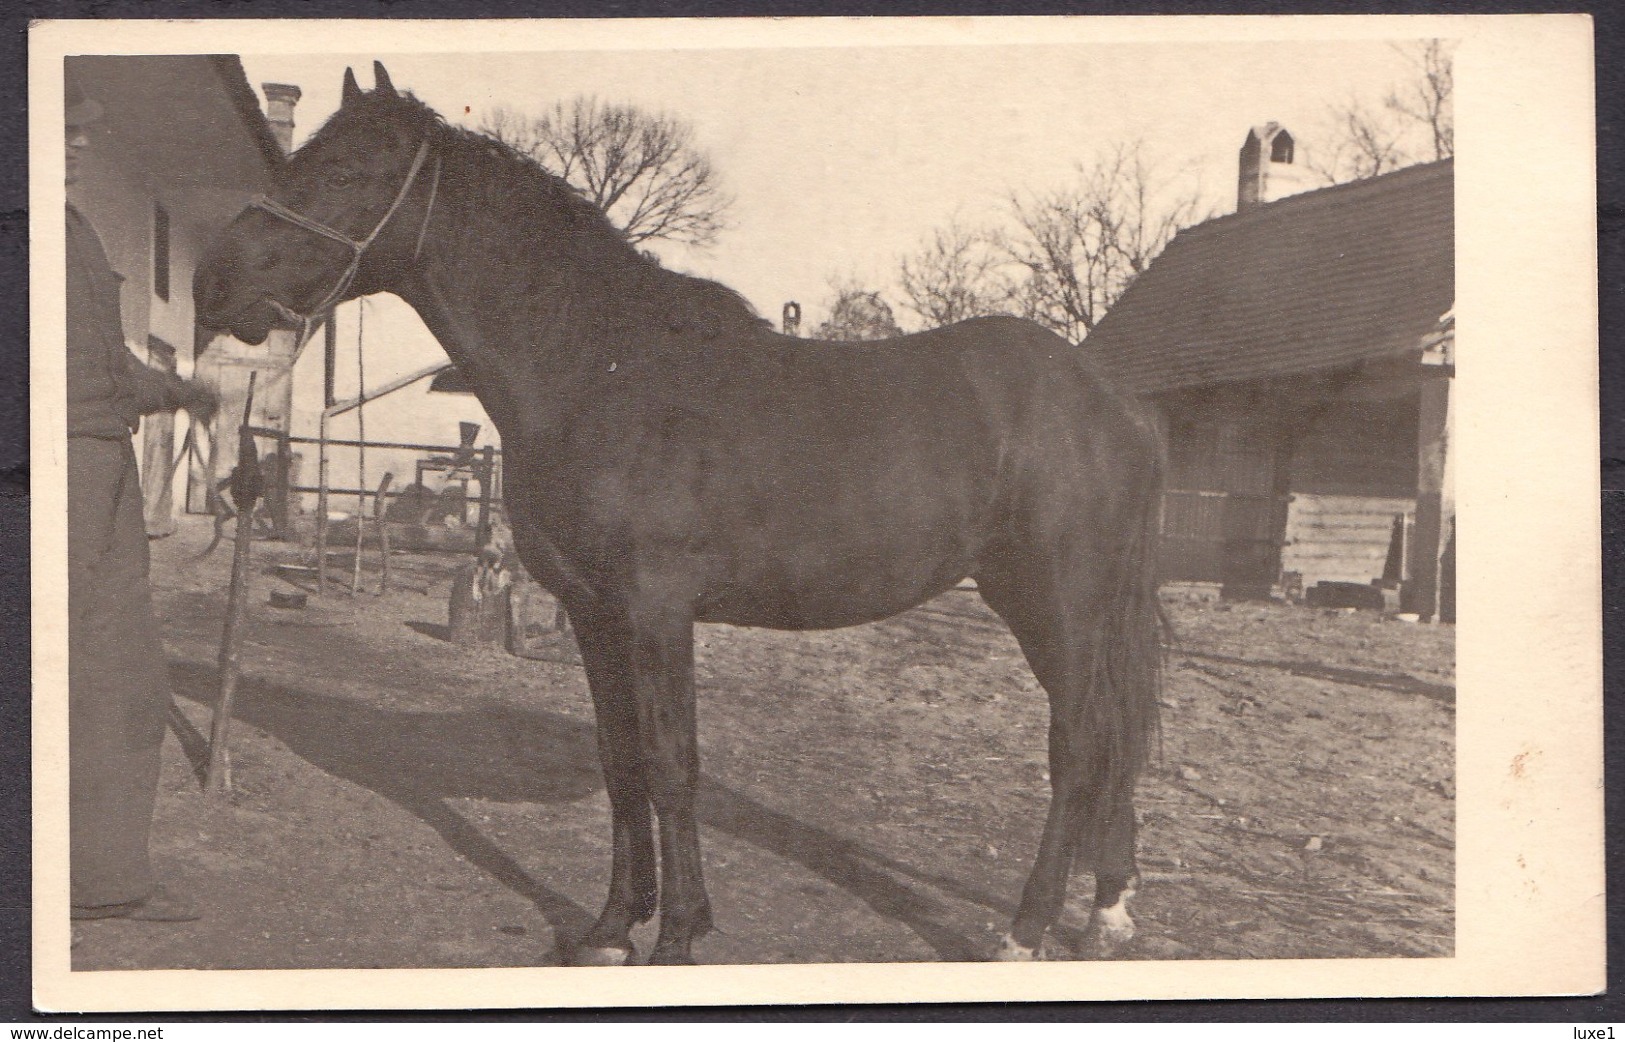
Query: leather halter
358, 247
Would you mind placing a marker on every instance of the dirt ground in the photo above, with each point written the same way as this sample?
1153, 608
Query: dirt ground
872, 794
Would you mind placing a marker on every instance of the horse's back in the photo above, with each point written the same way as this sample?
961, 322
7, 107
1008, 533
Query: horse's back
965, 409
1001, 364
1031, 383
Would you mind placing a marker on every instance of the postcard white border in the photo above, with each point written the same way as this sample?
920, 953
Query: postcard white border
1530, 879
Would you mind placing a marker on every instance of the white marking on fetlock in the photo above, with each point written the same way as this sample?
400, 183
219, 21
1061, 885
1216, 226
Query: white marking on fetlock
585, 956
1111, 927
1010, 950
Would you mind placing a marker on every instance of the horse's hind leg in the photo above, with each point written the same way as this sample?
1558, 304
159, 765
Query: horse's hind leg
1116, 880
1054, 611
606, 655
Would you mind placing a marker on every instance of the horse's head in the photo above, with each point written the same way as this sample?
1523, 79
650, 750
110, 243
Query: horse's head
345, 217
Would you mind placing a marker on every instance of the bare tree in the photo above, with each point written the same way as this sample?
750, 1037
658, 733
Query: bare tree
856, 313
957, 275
1429, 98
642, 169
1079, 247
1361, 141
513, 128
1414, 122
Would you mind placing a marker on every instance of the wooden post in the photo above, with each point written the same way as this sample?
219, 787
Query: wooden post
321, 508
245, 490
482, 534
158, 449
477, 612
379, 512
218, 778
1435, 486
281, 507
330, 354
383, 549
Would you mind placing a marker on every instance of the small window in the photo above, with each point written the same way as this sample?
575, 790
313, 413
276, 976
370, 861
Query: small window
160, 252
1281, 148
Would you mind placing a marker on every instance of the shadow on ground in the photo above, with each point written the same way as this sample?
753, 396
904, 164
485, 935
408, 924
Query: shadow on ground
420, 760
1396, 682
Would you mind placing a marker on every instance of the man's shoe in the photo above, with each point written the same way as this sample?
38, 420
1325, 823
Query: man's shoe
160, 906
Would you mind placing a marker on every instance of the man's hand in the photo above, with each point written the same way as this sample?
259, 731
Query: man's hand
201, 400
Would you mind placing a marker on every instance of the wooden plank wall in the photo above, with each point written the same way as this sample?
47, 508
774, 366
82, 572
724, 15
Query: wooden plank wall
1351, 473
1221, 515
1340, 538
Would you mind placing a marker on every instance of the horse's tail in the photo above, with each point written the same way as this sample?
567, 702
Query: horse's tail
1127, 682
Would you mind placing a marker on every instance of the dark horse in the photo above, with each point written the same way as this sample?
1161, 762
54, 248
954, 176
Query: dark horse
671, 460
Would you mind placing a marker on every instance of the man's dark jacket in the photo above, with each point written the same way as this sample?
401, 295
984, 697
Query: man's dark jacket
109, 388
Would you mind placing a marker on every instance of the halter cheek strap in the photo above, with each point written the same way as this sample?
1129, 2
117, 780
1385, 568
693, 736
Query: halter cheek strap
358, 247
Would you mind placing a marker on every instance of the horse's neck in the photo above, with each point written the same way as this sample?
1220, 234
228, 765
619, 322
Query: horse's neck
523, 351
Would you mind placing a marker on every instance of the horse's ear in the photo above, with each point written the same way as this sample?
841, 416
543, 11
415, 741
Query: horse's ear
380, 77
352, 89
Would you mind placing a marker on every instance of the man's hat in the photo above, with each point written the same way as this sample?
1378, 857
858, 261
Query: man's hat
80, 109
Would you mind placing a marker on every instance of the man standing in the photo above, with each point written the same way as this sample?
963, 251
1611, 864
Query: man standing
118, 686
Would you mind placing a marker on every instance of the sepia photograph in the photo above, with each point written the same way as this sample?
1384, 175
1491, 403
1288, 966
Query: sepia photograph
806, 495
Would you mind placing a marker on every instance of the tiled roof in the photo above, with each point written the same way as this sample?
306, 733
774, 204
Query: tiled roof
189, 120
1312, 281
229, 67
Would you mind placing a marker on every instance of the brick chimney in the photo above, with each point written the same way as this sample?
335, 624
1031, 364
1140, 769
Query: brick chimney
1267, 170
280, 98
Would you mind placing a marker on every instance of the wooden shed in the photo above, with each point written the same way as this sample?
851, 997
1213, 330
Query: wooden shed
1300, 353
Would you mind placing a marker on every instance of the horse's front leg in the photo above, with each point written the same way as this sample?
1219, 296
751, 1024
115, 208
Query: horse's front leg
663, 678
605, 642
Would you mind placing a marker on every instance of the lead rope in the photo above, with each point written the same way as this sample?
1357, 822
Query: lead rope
361, 442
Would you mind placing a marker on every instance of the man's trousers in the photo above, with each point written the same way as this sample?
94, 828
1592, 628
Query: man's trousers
118, 685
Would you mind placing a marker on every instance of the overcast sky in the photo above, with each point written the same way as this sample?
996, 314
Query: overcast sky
843, 159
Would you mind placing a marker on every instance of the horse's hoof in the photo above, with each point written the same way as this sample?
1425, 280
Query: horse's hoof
1109, 930
671, 958
591, 956
1012, 951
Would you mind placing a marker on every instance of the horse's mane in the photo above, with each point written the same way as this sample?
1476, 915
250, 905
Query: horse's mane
529, 196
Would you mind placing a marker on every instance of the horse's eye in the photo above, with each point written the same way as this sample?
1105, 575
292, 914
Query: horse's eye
340, 180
